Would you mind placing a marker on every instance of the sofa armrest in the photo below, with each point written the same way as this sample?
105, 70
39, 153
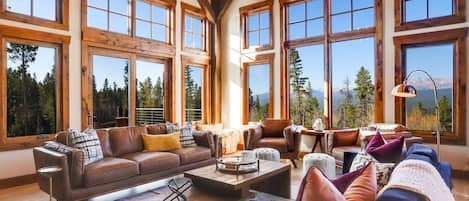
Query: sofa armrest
61, 181
206, 139
254, 134
292, 138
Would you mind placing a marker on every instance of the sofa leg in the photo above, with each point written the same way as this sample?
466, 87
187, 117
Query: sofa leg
294, 163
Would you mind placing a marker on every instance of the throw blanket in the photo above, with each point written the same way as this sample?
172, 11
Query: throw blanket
419, 177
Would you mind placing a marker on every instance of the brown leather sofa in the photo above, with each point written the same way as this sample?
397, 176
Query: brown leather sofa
276, 134
349, 140
124, 164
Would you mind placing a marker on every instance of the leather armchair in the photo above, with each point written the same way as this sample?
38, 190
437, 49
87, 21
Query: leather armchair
276, 134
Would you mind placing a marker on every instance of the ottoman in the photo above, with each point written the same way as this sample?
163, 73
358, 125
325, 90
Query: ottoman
267, 154
323, 162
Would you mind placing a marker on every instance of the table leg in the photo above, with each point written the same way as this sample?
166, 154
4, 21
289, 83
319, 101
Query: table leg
320, 144
50, 188
315, 144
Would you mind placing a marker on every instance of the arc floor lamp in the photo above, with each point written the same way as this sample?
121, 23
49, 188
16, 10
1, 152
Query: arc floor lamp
405, 90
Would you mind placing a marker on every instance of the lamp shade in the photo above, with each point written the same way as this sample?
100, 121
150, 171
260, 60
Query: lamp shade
404, 90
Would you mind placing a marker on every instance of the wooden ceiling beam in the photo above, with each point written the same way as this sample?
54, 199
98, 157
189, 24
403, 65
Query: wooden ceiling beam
205, 4
223, 5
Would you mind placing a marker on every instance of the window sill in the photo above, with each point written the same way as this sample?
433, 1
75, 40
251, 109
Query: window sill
433, 22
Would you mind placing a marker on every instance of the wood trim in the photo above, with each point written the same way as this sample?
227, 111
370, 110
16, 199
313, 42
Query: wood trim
200, 13
458, 16
460, 174
255, 8
327, 39
259, 59
18, 181
62, 15
61, 43
458, 37
203, 63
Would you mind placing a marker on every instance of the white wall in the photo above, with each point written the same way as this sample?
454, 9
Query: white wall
232, 58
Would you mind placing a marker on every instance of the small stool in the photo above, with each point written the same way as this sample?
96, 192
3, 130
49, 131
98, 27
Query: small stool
323, 162
268, 154
49, 172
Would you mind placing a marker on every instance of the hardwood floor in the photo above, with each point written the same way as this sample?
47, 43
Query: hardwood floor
31, 192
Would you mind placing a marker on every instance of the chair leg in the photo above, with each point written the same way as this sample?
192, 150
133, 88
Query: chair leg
294, 163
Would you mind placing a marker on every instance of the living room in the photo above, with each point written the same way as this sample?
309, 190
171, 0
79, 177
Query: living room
304, 88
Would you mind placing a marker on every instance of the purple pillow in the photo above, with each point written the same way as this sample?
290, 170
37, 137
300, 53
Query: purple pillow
344, 181
385, 153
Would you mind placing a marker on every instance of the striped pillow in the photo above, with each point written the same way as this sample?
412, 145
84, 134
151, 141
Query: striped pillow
186, 137
88, 142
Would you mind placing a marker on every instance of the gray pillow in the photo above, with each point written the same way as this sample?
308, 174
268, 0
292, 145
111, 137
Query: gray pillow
186, 137
88, 142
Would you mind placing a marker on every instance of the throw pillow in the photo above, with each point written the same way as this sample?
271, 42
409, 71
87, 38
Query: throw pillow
186, 138
383, 170
385, 153
343, 182
316, 186
88, 142
172, 127
164, 142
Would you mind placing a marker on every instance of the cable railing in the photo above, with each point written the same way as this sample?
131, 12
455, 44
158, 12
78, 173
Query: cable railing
193, 115
149, 115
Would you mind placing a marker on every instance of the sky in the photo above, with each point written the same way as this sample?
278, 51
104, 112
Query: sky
45, 60
111, 68
147, 69
259, 78
197, 74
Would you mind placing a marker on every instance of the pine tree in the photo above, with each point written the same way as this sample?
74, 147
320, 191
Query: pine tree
346, 109
159, 94
364, 91
297, 85
311, 106
445, 111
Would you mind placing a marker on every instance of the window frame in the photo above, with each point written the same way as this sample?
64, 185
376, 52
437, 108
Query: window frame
61, 21
458, 38
203, 63
61, 43
170, 21
253, 9
259, 59
327, 39
187, 9
458, 16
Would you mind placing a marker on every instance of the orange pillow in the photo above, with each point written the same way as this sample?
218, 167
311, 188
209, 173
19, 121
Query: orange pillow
164, 142
316, 186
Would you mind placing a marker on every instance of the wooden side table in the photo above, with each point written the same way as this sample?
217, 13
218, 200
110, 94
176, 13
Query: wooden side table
49, 172
319, 135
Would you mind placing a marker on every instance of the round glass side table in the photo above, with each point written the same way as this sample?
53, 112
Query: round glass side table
49, 172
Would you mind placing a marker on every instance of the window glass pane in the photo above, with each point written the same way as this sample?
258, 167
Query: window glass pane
159, 14
358, 4
440, 8
296, 31
353, 83
142, 10
150, 93
264, 37
315, 27
296, 12
95, 3
31, 89
197, 26
119, 6
253, 22
363, 19
110, 86
415, 10
258, 91
188, 23
338, 6
265, 20
19, 6
198, 41
438, 61
118, 23
193, 80
253, 38
306, 84
188, 40
44, 9
143, 29
315, 8
159, 32
341, 23
97, 19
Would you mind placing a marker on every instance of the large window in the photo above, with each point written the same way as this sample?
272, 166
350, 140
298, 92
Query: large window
443, 56
332, 66
34, 101
353, 84
152, 21
306, 66
49, 13
193, 93
110, 91
150, 92
194, 28
256, 22
412, 14
109, 15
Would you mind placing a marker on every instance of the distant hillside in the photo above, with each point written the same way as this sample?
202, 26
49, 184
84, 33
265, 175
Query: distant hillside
426, 97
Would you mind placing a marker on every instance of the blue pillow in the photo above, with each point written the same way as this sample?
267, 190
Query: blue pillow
400, 195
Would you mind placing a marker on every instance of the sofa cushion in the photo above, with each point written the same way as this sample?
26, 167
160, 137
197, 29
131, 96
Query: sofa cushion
385, 153
157, 129
108, 170
125, 140
163, 142
192, 154
274, 127
338, 152
150, 162
278, 143
103, 136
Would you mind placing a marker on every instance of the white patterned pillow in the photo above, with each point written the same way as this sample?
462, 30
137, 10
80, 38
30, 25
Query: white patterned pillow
171, 127
383, 170
186, 137
88, 142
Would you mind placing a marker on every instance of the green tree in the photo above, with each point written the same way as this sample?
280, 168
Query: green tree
297, 86
364, 91
146, 99
346, 109
158, 93
445, 111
